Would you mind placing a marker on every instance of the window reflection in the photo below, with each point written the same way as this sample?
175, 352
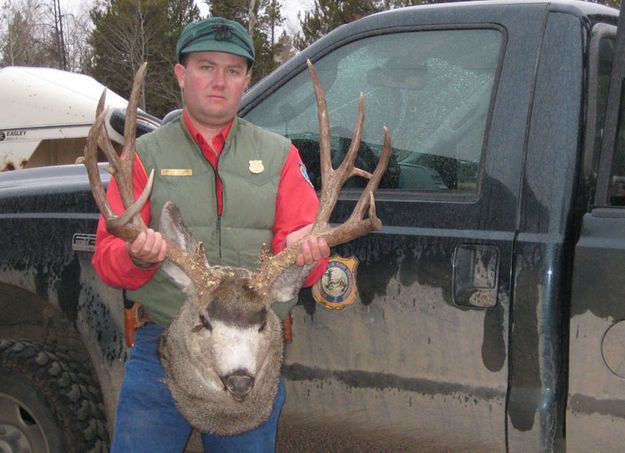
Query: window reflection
432, 89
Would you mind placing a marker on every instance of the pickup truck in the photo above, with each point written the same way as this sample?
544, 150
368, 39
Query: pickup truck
486, 315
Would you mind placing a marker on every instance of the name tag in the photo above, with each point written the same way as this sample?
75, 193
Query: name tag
176, 172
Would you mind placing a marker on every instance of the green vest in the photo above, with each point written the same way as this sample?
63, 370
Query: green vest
182, 175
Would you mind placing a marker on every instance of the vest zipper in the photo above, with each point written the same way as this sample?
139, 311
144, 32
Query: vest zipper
219, 235
216, 175
216, 170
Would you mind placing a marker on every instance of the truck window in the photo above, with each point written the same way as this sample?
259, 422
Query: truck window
432, 89
601, 55
602, 58
617, 174
604, 68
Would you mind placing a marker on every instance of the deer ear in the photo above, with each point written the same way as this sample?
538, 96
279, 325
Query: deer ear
289, 283
173, 228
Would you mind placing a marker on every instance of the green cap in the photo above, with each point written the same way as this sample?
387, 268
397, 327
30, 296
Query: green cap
216, 34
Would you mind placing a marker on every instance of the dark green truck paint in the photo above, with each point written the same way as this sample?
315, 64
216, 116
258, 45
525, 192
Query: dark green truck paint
490, 306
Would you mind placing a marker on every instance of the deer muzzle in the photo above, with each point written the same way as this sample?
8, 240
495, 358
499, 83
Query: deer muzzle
238, 384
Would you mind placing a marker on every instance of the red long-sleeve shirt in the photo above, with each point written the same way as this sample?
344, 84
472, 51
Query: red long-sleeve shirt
296, 206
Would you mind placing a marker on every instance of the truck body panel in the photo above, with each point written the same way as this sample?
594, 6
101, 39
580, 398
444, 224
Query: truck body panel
594, 416
471, 321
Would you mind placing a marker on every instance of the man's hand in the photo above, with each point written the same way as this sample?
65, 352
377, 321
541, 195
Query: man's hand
313, 248
148, 248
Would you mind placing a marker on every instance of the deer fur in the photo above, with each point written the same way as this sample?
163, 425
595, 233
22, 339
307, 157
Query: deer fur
244, 335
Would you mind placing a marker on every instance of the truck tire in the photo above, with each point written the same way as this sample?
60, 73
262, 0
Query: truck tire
49, 401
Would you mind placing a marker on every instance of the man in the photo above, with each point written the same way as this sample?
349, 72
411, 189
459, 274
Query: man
237, 186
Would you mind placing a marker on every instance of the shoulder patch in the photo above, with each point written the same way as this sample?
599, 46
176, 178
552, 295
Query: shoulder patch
304, 172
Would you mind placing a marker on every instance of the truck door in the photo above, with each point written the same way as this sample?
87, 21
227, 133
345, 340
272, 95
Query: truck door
595, 415
404, 342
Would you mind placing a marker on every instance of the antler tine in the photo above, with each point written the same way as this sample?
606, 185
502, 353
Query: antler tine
91, 162
122, 168
357, 225
103, 140
324, 123
101, 103
366, 198
332, 181
130, 123
129, 224
119, 226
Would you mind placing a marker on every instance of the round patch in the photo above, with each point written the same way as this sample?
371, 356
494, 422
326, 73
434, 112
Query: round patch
337, 286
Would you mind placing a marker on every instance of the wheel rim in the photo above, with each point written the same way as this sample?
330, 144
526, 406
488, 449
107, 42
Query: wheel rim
20, 431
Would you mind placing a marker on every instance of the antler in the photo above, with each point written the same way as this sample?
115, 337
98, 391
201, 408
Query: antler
332, 181
129, 224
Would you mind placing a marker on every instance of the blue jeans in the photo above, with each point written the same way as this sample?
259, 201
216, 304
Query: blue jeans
148, 421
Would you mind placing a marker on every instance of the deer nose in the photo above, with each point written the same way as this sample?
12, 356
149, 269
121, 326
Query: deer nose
239, 384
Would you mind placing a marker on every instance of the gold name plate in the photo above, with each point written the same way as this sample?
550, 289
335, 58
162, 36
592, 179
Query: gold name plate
176, 172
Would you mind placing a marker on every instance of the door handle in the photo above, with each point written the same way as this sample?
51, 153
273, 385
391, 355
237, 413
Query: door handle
475, 275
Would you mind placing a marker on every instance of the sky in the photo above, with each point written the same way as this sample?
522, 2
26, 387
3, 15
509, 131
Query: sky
290, 8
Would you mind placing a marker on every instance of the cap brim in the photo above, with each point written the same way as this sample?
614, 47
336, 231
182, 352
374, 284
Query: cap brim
218, 46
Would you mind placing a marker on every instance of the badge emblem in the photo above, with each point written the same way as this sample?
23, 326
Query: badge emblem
337, 287
83, 242
256, 166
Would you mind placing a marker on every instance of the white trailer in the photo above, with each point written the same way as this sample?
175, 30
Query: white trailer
46, 114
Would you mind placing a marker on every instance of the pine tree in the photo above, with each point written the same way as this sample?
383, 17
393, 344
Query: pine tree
262, 17
127, 33
30, 38
326, 15
284, 48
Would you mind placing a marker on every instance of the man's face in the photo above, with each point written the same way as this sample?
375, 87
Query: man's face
213, 84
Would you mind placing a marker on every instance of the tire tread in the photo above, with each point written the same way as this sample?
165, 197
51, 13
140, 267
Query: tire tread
67, 385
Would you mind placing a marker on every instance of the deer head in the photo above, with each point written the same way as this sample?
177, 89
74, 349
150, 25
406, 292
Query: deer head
223, 351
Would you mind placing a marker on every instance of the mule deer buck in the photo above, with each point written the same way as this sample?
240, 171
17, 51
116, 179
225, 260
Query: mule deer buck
223, 351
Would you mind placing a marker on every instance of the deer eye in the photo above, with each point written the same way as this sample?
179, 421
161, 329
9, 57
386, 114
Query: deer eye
206, 323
